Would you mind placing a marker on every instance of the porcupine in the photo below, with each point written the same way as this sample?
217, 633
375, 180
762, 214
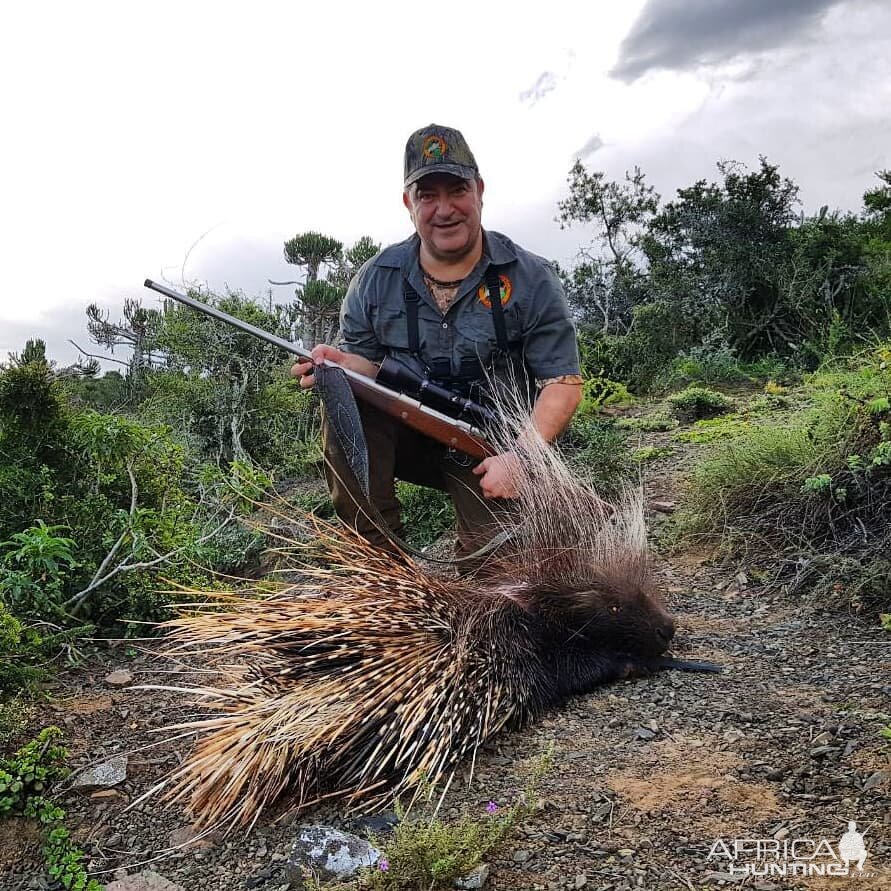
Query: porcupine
372, 674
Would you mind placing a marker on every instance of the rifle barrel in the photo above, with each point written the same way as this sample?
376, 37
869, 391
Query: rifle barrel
247, 327
398, 404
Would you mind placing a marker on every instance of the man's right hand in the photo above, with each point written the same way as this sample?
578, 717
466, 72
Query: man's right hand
322, 351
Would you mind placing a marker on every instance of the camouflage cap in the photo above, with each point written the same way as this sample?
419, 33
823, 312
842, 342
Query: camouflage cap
435, 149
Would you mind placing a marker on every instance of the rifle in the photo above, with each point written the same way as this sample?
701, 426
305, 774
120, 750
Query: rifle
396, 389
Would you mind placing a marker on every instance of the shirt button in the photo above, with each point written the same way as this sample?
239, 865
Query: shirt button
445, 324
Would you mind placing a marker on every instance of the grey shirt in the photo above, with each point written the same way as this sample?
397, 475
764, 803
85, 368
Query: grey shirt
373, 319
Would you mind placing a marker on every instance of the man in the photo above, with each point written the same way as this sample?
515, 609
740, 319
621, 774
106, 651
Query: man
428, 302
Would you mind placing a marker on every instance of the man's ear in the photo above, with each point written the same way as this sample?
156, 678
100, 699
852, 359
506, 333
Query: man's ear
406, 200
480, 185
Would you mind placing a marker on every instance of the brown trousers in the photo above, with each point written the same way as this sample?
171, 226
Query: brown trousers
398, 452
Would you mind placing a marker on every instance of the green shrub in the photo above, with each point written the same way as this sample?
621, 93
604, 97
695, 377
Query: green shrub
817, 491
25, 782
657, 422
600, 392
695, 403
596, 449
429, 853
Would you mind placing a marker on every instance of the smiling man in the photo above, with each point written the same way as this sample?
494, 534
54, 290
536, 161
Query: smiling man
429, 302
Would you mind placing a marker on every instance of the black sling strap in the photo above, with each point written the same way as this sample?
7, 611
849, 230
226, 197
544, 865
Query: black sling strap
493, 286
411, 317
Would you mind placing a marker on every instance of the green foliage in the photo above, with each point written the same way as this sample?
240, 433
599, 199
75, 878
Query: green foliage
697, 402
429, 853
658, 422
596, 449
25, 781
712, 429
600, 392
19, 649
426, 513
33, 569
816, 490
646, 454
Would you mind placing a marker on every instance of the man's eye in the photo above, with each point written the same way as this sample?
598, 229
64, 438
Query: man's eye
425, 196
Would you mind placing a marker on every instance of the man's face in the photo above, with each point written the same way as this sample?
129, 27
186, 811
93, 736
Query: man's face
446, 212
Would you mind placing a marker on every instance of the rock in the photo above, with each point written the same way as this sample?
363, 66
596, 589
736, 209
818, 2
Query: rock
821, 739
188, 837
732, 736
580, 881
644, 733
663, 507
476, 878
822, 751
120, 677
521, 856
108, 773
328, 853
375, 823
878, 779
143, 881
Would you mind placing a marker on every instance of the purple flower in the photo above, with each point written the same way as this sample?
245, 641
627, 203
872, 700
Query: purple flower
383, 864
491, 808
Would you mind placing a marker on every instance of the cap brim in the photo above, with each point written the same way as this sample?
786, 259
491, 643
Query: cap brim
454, 169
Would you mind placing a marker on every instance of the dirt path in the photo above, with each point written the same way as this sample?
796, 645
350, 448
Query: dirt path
648, 774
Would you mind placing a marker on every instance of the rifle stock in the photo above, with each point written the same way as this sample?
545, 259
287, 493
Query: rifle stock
452, 432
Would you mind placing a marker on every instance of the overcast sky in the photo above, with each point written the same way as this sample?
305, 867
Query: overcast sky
189, 140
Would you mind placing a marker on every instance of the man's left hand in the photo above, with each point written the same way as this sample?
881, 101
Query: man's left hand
498, 475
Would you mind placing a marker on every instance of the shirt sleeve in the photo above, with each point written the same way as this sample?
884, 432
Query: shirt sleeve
550, 348
356, 330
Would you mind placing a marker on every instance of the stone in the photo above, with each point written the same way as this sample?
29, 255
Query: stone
143, 881
475, 879
877, 780
663, 507
328, 853
102, 776
120, 677
521, 856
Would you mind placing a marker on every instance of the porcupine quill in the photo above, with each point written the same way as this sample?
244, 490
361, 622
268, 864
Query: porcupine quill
370, 674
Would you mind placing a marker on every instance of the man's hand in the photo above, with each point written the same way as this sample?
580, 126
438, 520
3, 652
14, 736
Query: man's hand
498, 475
303, 369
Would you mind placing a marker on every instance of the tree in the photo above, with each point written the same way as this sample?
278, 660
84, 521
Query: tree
215, 378
606, 281
717, 249
318, 299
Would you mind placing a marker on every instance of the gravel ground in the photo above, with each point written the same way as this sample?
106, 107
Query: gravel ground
648, 773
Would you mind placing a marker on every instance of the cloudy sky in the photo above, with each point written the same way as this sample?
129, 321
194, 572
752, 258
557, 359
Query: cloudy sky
187, 140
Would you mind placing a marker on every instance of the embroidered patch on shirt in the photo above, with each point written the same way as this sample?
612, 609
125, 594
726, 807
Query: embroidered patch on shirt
506, 291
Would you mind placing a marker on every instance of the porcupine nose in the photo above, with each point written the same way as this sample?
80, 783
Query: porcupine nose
665, 631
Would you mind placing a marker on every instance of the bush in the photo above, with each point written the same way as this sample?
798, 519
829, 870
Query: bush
596, 449
695, 403
817, 491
